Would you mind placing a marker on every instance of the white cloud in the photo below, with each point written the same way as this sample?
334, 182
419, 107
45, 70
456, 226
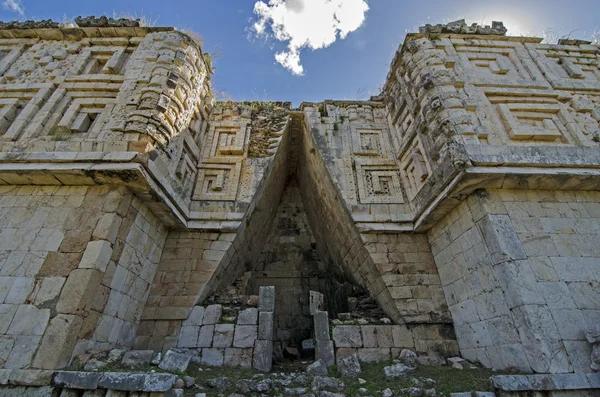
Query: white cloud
15, 6
313, 24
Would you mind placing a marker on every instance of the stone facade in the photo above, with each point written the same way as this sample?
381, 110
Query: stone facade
461, 204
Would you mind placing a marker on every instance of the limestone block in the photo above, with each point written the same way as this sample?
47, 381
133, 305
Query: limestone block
540, 339
79, 291
195, 317
107, 227
238, 358
20, 290
266, 325
402, 336
248, 316
266, 299
22, 352
369, 355
349, 366
48, 292
188, 336
500, 238
137, 358
324, 351
263, 355
212, 314
245, 335
7, 312
157, 383
321, 323
316, 302
347, 336
175, 361
369, 335
212, 357
205, 336
58, 342
384, 336
124, 381
29, 320
223, 336
76, 380
518, 283
96, 255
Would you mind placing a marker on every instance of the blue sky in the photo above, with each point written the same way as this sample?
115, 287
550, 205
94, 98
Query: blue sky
350, 68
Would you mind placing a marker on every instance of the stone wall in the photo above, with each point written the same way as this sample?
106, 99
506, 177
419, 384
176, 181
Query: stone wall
77, 266
196, 264
520, 272
397, 269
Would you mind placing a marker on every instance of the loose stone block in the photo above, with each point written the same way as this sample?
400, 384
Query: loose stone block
347, 336
76, 380
324, 351
266, 299
263, 355
321, 322
96, 255
349, 366
158, 382
212, 314
315, 302
205, 336
238, 358
125, 381
266, 325
137, 358
175, 361
223, 335
58, 342
245, 335
248, 316
212, 357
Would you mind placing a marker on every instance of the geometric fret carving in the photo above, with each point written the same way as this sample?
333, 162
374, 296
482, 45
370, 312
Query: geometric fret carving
217, 182
368, 142
378, 181
228, 141
526, 121
101, 60
415, 168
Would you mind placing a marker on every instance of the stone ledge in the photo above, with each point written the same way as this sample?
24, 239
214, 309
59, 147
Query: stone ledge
79, 33
546, 382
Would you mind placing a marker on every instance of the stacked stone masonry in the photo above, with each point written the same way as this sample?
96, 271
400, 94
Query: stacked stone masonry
463, 200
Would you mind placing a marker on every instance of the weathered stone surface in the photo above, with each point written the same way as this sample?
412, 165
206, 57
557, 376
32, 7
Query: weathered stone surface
245, 335
137, 358
266, 325
397, 370
248, 316
349, 366
320, 383
321, 321
205, 336
158, 382
175, 361
408, 357
212, 357
317, 368
96, 255
324, 351
266, 299
223, 335
263, 355
126, 381
316, 302
79, 291
212, 314
76, 380
241, 358
347, 336
58, 342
